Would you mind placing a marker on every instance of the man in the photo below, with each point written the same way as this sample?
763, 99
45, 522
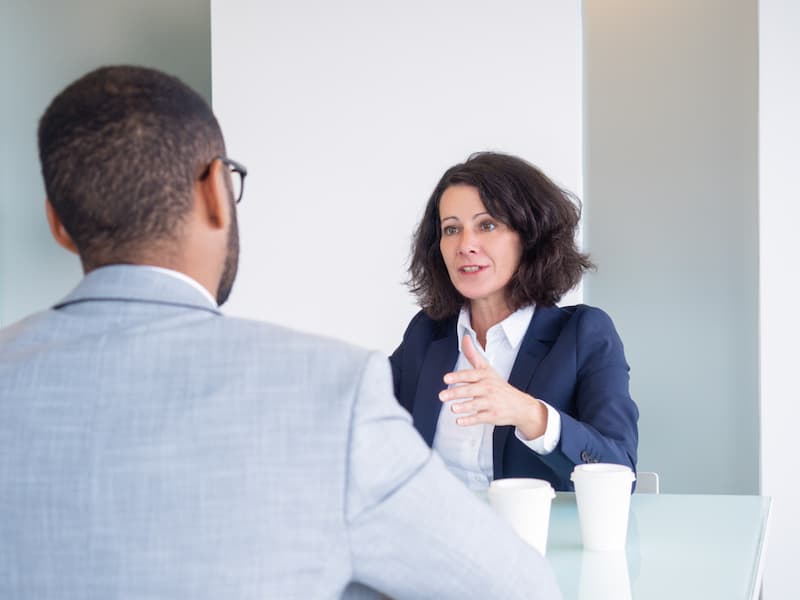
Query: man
152, 448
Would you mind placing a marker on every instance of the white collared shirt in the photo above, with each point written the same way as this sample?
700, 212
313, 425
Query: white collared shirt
185, 278
467, 451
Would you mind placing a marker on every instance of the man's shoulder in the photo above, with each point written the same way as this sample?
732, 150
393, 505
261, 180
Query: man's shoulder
28, 329
275, 338
243, 344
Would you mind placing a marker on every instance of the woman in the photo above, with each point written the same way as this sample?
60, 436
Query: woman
500, 380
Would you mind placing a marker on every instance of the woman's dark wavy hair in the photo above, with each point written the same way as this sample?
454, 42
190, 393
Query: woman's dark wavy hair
519, 195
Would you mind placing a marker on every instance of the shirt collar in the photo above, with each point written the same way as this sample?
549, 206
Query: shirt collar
185, 278
463, 325
513, 326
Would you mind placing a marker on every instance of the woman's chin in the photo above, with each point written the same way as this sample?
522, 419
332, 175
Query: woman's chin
477, 295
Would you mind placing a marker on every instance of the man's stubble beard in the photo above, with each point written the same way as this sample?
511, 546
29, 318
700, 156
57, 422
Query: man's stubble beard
231, 266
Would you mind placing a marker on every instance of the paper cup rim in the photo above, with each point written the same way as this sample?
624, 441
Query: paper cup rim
608, 468
521, 484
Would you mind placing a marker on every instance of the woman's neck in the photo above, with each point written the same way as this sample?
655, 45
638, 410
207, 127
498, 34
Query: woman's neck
484, 315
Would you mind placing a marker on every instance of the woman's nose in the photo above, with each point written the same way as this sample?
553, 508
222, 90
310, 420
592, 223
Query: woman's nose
466, 244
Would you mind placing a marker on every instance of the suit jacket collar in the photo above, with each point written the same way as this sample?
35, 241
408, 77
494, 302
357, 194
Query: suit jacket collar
133, 283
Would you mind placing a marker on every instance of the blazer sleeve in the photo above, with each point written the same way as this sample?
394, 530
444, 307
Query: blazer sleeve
604, 426
414, 531
396, 363
406, 359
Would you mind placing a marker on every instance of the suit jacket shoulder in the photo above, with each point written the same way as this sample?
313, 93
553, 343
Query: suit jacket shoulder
408, 359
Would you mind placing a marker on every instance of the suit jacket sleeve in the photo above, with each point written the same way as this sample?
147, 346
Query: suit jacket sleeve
396, 362
604, 426
414, 530
409, 354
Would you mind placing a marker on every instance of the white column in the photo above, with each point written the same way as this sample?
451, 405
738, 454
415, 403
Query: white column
672, 193
779, 191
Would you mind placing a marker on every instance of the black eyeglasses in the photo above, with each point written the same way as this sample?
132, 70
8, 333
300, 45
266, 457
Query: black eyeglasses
238, 173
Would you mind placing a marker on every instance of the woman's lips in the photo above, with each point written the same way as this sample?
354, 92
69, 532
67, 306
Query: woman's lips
471, 269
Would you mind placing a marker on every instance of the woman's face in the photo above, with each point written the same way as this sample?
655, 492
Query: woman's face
481, 253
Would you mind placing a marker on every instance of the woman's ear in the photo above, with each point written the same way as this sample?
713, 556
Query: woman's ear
214, 196
57, 229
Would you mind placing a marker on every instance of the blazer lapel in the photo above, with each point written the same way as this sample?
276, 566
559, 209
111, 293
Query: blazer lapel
544, 328
440, 359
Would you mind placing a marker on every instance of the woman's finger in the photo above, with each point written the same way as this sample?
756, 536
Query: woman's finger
474, 358
479, 418
460, 392
465, 376
469, 406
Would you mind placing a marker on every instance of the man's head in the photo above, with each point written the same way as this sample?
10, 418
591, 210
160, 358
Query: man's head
123, 153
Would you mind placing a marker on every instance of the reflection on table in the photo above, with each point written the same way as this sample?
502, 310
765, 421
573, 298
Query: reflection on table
679, 546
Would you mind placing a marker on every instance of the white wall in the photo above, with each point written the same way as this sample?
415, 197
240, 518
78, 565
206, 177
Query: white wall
779, 192
347, 113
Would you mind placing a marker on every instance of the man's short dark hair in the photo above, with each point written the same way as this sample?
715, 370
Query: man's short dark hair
519, 195
120, 150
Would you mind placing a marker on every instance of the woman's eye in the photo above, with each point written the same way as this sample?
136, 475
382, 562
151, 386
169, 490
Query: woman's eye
488, 226
450, 230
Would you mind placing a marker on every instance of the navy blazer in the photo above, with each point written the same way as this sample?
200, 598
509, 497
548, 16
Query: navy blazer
571, 357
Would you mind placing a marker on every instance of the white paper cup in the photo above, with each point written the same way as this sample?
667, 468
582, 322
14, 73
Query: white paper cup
603, 494
525, 504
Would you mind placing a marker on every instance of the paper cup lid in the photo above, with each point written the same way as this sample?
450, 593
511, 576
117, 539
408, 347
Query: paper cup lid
539, 486
606, 468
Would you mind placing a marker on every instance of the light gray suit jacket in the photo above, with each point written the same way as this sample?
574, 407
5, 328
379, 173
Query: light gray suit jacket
152, 448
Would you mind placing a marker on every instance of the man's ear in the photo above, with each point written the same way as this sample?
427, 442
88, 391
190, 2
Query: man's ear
214, 197
57, 230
